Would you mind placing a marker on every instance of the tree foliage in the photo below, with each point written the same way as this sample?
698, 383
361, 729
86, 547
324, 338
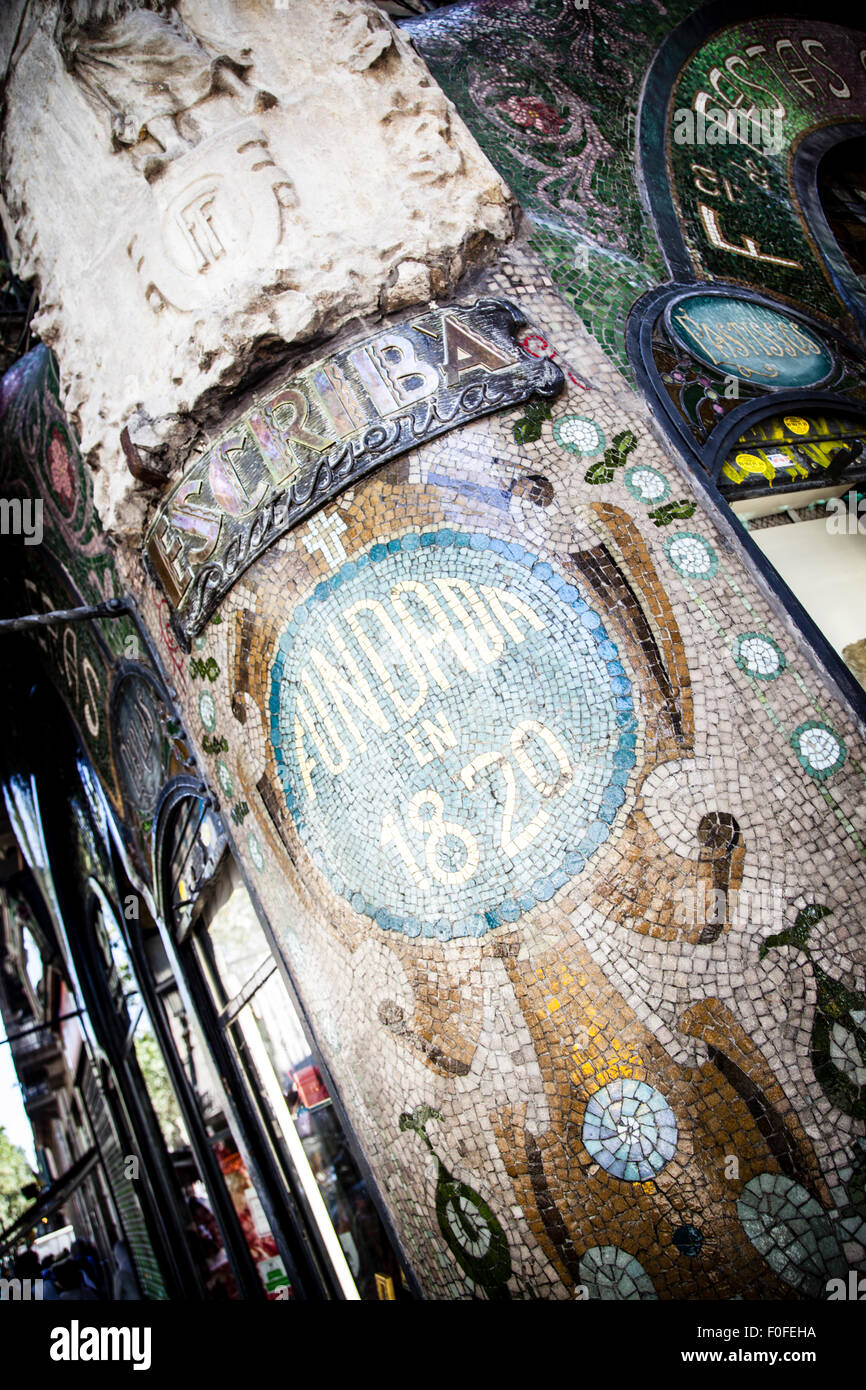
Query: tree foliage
15, 1173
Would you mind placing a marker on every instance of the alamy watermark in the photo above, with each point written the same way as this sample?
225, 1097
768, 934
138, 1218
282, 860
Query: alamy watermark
22, 518
713, 907
846, 515
759, 127
20, 1290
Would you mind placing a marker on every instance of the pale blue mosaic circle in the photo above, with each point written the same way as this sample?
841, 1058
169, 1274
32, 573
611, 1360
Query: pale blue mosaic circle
454, 732
647, 484
608, 1272
691, 555
629, 1129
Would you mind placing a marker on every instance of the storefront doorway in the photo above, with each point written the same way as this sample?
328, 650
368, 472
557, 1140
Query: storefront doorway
271, 1125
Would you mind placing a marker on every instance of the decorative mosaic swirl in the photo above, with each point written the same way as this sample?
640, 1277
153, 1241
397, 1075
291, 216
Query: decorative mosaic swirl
630, 1130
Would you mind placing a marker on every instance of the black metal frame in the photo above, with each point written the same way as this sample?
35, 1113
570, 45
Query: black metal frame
804, 176
127, 607
306, 1276
702, 464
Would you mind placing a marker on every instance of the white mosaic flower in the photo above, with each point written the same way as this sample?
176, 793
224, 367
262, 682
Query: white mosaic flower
759, 655
820, 748
256, 854
691, 555
578, 434
648, 483
207, 710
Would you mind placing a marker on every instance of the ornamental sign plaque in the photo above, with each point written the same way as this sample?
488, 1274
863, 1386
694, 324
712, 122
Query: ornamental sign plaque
750, 341
325, 428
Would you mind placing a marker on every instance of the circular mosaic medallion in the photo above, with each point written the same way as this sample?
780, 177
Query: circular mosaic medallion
792, 1231
630, 1130
819, 748
691, 555
207, 710
759, 656
225, 779
647, 484
578, 435
610, 1273
453, 729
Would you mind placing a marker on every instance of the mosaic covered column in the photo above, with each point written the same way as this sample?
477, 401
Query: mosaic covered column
490, 741
559, 833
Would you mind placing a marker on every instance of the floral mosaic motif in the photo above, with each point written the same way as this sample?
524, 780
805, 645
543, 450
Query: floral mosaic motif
207, 710
611, 1273
204, 670
630, 1130
256, 854
527, 429
759, 656
614, 457
691, 556
647, 484
838, 1043
578, 434
215, 745
790, 1228
478, 697
819, 749
530, 113
469, 1227
225, 779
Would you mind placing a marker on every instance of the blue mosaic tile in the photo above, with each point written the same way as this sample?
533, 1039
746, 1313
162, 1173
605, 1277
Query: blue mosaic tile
463, 685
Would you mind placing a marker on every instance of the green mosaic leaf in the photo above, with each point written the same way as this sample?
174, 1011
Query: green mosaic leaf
527, 431
672, 511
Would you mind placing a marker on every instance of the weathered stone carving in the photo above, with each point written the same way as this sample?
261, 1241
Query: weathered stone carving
181, 179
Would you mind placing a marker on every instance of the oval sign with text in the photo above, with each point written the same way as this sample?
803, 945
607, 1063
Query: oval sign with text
454, 731
748, 340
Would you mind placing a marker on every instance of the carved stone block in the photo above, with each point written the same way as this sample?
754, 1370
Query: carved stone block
199, 186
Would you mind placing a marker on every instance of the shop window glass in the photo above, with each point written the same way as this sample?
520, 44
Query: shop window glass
797, 481
254, 1007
